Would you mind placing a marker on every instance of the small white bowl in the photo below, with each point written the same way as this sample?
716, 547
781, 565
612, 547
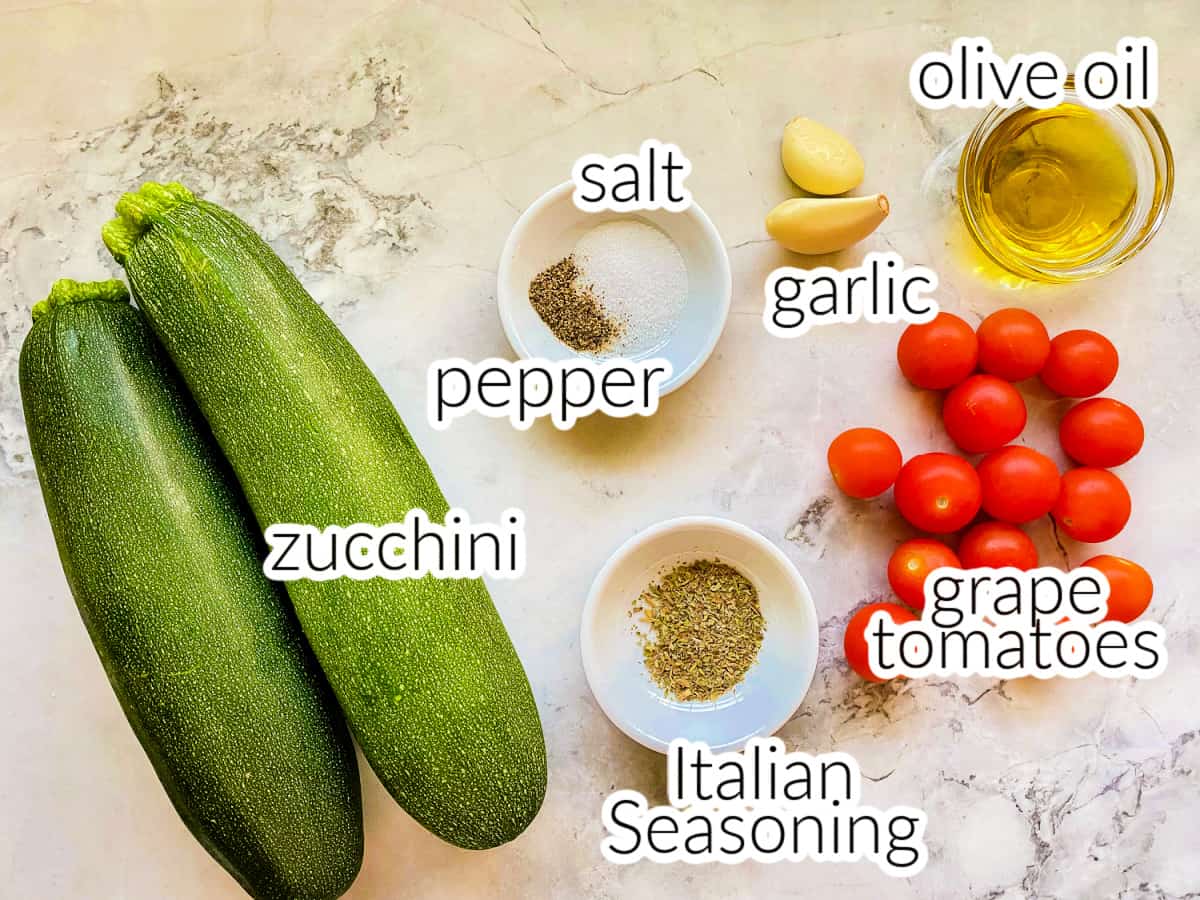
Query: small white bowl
548, 231
774, 686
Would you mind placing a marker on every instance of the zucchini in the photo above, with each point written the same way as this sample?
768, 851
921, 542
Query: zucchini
202, 651
425, 673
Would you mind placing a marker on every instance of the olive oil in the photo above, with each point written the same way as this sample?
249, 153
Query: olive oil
1056, 186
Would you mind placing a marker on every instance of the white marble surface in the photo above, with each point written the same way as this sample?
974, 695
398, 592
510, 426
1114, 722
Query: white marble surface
385, 149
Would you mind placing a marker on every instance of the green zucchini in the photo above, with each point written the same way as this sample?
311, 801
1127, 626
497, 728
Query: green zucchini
202, 651
425, 673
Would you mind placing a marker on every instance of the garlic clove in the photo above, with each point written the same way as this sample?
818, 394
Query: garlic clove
817, 225
819, 159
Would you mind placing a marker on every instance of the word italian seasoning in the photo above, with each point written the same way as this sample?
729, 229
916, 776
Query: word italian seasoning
705, 629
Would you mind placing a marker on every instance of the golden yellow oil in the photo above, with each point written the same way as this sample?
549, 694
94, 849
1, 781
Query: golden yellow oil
1056, 186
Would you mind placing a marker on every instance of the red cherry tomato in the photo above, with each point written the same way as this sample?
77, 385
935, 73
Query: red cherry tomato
983, 413
937, 492
911, 564
938, 354
1018, 483
996, 545
1093, 505
855, 641
1081, 363
864, 462
1102, 433
1013, 344
1130, 584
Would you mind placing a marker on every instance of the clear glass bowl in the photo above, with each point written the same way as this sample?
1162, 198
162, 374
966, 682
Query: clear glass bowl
1150, 156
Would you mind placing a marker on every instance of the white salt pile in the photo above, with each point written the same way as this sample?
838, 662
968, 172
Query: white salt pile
639, 277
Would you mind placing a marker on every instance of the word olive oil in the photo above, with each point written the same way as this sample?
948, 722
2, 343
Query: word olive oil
1054, 187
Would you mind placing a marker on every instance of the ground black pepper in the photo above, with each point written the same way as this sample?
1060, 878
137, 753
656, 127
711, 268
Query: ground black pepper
570, 310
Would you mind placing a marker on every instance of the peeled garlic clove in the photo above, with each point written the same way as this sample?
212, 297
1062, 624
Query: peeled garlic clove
817, 225
819, 159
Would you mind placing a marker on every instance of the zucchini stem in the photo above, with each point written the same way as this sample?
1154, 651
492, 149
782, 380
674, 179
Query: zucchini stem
67, 290
137, 211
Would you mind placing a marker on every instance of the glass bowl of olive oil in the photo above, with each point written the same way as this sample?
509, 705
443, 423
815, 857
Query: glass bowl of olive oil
1065, 193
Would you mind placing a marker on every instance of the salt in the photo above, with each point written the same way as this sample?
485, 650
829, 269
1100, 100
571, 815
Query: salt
639, 276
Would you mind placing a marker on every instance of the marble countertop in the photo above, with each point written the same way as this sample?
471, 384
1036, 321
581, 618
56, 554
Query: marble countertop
385, 149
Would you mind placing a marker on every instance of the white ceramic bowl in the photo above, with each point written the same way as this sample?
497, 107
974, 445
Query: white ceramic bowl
548, 231
774, 686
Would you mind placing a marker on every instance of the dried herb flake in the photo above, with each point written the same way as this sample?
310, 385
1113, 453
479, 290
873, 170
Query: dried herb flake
705, 629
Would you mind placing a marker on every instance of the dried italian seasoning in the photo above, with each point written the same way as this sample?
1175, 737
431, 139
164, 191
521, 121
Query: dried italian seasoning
705, 629
571, 309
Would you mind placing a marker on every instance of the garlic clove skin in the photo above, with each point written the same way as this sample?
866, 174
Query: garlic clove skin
818, 159
816, 225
